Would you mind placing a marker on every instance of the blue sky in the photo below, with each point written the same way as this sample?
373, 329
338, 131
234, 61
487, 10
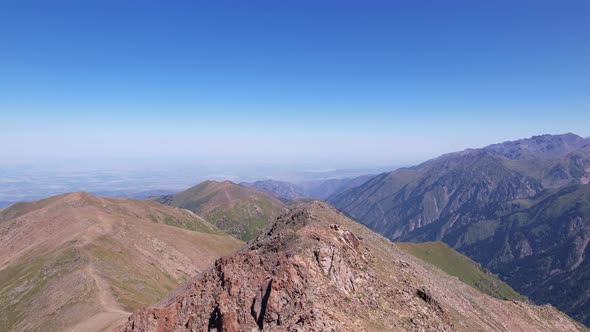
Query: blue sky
335, 83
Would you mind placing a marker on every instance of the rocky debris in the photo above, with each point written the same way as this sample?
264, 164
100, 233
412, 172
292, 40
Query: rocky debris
316, 270
425, 295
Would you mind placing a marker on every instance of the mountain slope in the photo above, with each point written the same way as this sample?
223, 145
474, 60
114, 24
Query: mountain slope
399, 202
240, 211
316, 270
498, 205
453, 263
539, 246
82, 262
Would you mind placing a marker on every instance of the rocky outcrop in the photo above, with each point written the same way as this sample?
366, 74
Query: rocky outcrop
316, 270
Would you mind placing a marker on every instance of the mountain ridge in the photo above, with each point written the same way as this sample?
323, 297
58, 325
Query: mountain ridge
82, 262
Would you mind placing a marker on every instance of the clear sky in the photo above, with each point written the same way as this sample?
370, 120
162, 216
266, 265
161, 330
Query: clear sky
322, 82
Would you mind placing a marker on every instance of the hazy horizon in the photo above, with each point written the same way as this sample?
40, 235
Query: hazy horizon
119, 98
139, 180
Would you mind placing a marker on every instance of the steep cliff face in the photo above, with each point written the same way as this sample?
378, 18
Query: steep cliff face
316, 270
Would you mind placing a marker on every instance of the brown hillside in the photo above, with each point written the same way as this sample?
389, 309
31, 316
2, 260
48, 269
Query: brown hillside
81, 262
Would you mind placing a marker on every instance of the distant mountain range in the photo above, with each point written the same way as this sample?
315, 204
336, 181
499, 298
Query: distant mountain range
316, 270
279, 189
84, 263
238, 210
519, 208
320, 189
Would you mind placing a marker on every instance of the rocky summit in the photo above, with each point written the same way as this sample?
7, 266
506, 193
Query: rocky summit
316, 270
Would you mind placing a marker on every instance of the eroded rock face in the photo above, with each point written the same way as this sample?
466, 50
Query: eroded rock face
271, 285
315, 270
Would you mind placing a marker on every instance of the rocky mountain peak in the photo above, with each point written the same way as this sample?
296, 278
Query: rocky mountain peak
316, 270
540, 146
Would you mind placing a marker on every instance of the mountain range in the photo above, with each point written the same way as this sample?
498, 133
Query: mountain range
317, 189
519, 208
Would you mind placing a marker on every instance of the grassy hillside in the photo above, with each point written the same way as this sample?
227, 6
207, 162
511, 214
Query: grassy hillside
453, 263
240, 211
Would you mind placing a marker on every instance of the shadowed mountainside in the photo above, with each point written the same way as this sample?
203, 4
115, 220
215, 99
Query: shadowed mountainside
518, 208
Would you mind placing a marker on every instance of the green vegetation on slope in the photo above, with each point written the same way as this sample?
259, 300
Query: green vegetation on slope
24, 284
188, 221
133, 284
237, 210
455, 264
